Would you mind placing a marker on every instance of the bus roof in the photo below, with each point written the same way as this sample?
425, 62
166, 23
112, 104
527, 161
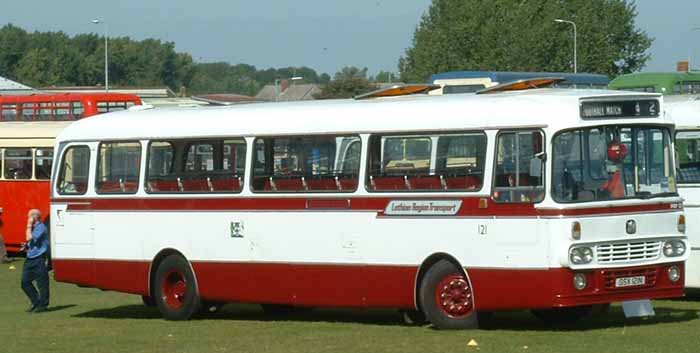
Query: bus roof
30, 134
508, 76
643, 79
556, 108
685, 111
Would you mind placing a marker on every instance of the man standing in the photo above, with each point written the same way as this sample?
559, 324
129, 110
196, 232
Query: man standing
35, 269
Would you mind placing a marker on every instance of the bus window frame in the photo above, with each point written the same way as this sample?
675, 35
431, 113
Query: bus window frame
178, 172
429, 135
291, 137
60, 169
97, 167
677, 161
544, 167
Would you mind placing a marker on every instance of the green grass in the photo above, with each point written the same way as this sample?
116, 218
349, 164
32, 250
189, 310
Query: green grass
88, 320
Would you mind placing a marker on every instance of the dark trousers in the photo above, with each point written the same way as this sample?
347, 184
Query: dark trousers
35, 270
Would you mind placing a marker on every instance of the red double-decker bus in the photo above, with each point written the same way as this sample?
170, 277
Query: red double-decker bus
28, 126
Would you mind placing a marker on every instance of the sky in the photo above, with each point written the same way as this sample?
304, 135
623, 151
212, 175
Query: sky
325, 35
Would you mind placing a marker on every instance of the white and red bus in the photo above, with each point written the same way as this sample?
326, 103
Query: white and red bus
453, 206
685, 112
28, 127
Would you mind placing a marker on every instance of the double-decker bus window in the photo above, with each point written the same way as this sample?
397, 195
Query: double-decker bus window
78, 110
75, 169
105, 107
306, 164
424, 163
17, 163
29, 111
63, 111
519, 174
211, 166
118, 167
8, 112
688, 152
43, 161
45, 111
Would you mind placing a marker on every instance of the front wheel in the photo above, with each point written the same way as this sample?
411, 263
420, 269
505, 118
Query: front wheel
175, 289
447, 298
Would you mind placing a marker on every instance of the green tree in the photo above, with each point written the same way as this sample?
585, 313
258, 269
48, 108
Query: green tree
347, 83
385, 76
519, 35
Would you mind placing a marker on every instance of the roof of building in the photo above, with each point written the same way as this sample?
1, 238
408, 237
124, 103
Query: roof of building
225, 98
143, 92
554, 108
7, 86
295, 92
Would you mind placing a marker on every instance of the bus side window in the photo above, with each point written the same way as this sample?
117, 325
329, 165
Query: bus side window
75, 169
688, 157
118, 168
427, 162
519, 168
306, 164
43, 161
18, 163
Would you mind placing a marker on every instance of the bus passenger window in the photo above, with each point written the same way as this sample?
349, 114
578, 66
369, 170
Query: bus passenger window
8, 112
688, 156
118, 167
18, 163
425, 163
43, 161
307, 164
75, 169
211, 166
519, 174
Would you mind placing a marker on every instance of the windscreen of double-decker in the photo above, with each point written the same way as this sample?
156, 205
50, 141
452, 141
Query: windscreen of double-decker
612, 162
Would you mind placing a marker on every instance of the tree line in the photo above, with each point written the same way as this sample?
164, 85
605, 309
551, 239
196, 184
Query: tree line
491, 35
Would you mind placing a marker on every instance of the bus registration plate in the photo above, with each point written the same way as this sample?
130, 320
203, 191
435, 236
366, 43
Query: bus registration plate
630, 281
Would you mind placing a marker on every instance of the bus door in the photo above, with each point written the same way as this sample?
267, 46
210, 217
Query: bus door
73, 211
688, 165
518, 186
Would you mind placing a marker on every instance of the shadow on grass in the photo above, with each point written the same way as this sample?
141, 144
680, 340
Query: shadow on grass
509, 321
524, 321
246, 312
59, 307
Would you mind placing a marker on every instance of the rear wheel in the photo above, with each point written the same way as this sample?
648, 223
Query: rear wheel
563, 316
447, 298
176, 292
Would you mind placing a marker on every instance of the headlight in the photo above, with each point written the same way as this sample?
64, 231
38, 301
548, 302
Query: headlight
674, 273
674, 248
581, 255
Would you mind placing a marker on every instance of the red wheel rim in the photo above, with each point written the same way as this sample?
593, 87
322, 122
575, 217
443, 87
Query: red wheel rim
454, 296
174, 289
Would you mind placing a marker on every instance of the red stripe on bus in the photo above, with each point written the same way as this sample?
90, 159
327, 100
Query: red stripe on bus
346, 285
470, 205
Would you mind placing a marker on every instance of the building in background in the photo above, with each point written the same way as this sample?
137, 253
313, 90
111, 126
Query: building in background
286, 92
9, 87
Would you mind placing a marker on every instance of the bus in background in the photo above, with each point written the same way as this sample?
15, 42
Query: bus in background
473, 81
685, 112
552, 200
666, 83
28, 126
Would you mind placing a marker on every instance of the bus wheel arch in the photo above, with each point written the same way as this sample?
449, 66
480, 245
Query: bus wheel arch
172, 276
442, 276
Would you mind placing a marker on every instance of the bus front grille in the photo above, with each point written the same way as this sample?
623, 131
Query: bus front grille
628, 252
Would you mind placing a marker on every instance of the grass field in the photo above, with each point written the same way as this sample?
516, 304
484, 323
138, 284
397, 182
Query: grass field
88, 320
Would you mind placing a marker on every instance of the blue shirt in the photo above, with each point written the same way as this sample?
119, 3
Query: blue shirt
39, 244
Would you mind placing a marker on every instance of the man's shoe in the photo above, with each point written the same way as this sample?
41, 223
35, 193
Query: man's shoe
40, 309
31, 309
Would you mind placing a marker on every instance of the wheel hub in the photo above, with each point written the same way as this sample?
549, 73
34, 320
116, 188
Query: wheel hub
174, 289
454, 296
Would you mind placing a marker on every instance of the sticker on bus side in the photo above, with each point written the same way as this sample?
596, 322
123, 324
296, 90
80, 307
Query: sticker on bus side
423, 207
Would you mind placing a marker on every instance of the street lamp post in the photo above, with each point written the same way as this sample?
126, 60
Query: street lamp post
690, 68
106, 52
575, 38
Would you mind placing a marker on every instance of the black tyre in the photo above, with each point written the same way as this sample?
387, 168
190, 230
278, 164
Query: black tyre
148, 301
563, 316
447, 298
175, 290
413, 317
